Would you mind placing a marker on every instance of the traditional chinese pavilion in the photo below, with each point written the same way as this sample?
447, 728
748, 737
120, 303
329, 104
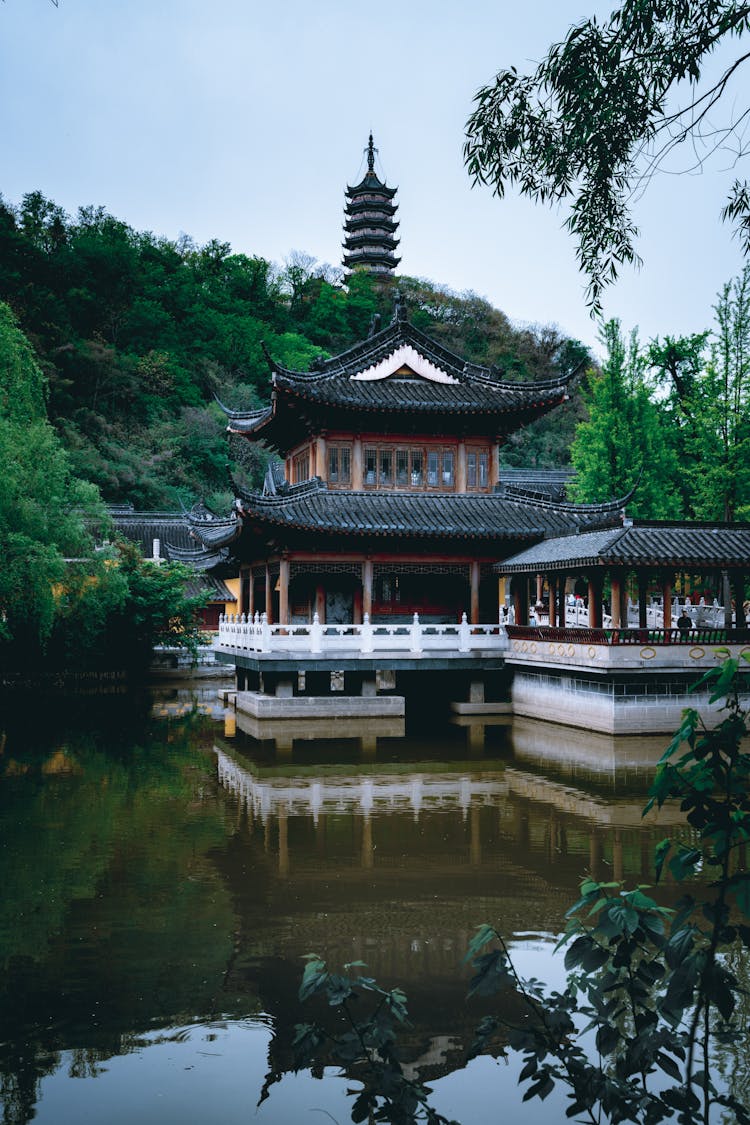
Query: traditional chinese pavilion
390, 501
370, 224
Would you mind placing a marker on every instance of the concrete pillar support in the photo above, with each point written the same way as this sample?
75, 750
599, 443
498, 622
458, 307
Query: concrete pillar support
476, 691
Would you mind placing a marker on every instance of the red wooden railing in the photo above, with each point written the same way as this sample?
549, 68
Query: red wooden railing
586, 636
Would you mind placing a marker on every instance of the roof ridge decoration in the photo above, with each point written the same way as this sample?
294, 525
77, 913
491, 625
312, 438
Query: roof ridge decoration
404, 356
389, 340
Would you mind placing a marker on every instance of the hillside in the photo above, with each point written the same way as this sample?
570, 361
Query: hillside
136, 334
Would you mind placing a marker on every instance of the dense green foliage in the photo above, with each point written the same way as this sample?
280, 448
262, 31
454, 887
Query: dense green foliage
707, 380
627, 440
62, 602
42, 504
136, 334
653, 993
113, 611
599, 117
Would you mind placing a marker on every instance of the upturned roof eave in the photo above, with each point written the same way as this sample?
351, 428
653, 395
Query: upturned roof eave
397, 332
291, 389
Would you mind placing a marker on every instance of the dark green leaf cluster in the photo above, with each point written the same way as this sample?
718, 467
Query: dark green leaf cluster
360, 1036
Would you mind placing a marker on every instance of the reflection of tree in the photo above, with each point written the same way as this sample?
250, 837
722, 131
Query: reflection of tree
112, 920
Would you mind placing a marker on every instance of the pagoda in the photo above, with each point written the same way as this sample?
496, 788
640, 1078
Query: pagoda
390, 501
369, 224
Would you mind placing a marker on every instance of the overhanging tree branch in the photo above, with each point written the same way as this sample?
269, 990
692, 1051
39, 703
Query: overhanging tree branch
593, 124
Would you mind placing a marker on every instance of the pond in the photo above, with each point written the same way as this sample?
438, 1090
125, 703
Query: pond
164, 872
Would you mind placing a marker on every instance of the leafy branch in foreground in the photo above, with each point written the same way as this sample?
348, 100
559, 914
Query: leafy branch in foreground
650, 992
361, 1037
597, 119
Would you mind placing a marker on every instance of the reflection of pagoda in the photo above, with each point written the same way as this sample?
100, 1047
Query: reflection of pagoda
370, 224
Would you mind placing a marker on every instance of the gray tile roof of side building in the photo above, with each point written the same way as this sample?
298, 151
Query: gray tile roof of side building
190, 537
640, 544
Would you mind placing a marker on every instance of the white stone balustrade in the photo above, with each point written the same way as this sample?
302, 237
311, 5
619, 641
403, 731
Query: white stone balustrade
240, 634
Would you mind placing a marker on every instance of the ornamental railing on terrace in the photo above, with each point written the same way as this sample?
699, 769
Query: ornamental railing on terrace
587, 636
239, 633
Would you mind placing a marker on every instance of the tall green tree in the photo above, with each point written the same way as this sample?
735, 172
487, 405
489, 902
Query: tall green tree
43, 506
721, 441
625, 440
706, 379
604, 111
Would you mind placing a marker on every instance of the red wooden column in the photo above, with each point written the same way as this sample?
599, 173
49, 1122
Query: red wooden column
284, 591
616, 584
521, 599
595, 601
666, 594
642, 598
320, 603
321, 469
269, 597
552, 608
250, 593
561, 600
474, 580
739, 600
367, 570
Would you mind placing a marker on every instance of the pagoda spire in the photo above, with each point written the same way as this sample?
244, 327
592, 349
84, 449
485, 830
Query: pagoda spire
369, 222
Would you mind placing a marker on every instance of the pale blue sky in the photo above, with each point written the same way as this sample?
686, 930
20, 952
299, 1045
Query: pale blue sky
244, 121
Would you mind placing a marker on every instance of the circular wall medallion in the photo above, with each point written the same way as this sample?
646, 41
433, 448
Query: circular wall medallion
697, 653
571, 650
648, 653
592, 651
532, 647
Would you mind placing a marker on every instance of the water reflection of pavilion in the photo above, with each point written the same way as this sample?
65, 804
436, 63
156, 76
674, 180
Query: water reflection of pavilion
397, 865
361, 794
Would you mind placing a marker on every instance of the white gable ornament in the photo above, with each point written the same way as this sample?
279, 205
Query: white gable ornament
404, 356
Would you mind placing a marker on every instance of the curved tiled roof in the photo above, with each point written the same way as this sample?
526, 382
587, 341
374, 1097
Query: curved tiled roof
457, 388
143, 527
664, 543
313, 507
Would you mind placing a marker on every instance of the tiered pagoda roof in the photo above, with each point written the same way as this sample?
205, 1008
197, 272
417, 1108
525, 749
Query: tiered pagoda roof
397, 379
312, 510
369, 223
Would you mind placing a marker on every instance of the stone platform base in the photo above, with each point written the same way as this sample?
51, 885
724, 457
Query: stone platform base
610, 705
459, 708
262, 706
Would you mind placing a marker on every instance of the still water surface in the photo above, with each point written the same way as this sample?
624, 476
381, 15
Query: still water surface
163, 872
